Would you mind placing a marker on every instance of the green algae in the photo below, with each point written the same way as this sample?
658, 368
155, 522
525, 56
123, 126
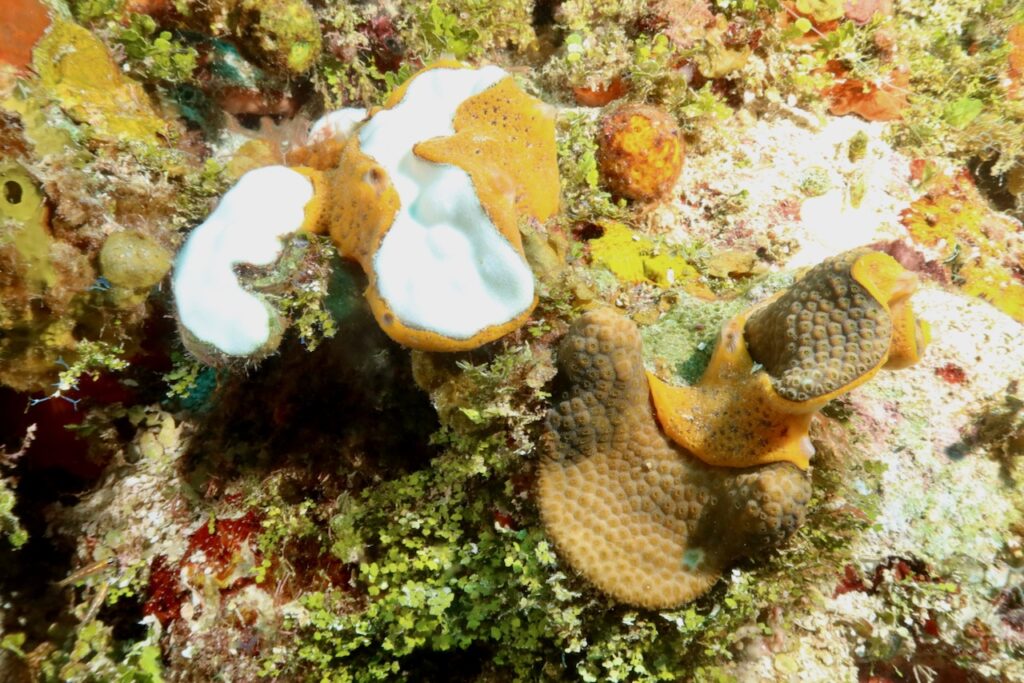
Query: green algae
821, 10
285, 34
10, 526
683, 339
583, 196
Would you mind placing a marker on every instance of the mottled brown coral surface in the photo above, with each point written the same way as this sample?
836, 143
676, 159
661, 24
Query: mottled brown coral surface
641, 518
822, 333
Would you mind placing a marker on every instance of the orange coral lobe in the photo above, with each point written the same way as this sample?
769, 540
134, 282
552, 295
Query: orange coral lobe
733, 417
362, 205
1016, 40
778, 363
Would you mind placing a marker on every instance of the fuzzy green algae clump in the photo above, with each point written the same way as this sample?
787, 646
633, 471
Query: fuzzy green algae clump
10, 526
284, 34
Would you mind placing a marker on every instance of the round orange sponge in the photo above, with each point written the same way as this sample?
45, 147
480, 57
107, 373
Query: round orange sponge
640, 152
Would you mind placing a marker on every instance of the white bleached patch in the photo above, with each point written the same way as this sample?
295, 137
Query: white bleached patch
749, 191
337, 124
443, 266
833, 222
246, 227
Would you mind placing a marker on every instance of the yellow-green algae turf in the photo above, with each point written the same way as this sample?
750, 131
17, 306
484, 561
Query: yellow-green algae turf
285, 33
10, 527
76, 69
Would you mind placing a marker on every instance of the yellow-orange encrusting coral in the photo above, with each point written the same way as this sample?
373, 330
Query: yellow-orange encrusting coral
640, 152
643, 520
779, 363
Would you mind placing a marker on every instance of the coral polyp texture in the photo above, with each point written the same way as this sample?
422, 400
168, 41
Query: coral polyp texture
836, 326
640, 151
426, 195
643, 519
777, 364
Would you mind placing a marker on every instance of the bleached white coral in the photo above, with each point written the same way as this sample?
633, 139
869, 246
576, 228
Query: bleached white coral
246, 228
443, 266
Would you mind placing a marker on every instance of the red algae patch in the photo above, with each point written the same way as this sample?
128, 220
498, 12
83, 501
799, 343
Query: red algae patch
22, 23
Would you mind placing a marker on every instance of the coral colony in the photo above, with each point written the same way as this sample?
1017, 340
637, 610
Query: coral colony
512, 340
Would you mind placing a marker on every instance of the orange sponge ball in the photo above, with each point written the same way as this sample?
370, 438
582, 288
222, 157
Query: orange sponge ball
640, 152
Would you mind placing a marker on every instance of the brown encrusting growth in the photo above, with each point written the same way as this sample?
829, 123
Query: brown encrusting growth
641, 518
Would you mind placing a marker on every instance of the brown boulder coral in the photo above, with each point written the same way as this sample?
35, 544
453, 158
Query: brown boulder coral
641, 518
653, 518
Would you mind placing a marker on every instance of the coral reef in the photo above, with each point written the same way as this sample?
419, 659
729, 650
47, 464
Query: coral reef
350, 509
646, 521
